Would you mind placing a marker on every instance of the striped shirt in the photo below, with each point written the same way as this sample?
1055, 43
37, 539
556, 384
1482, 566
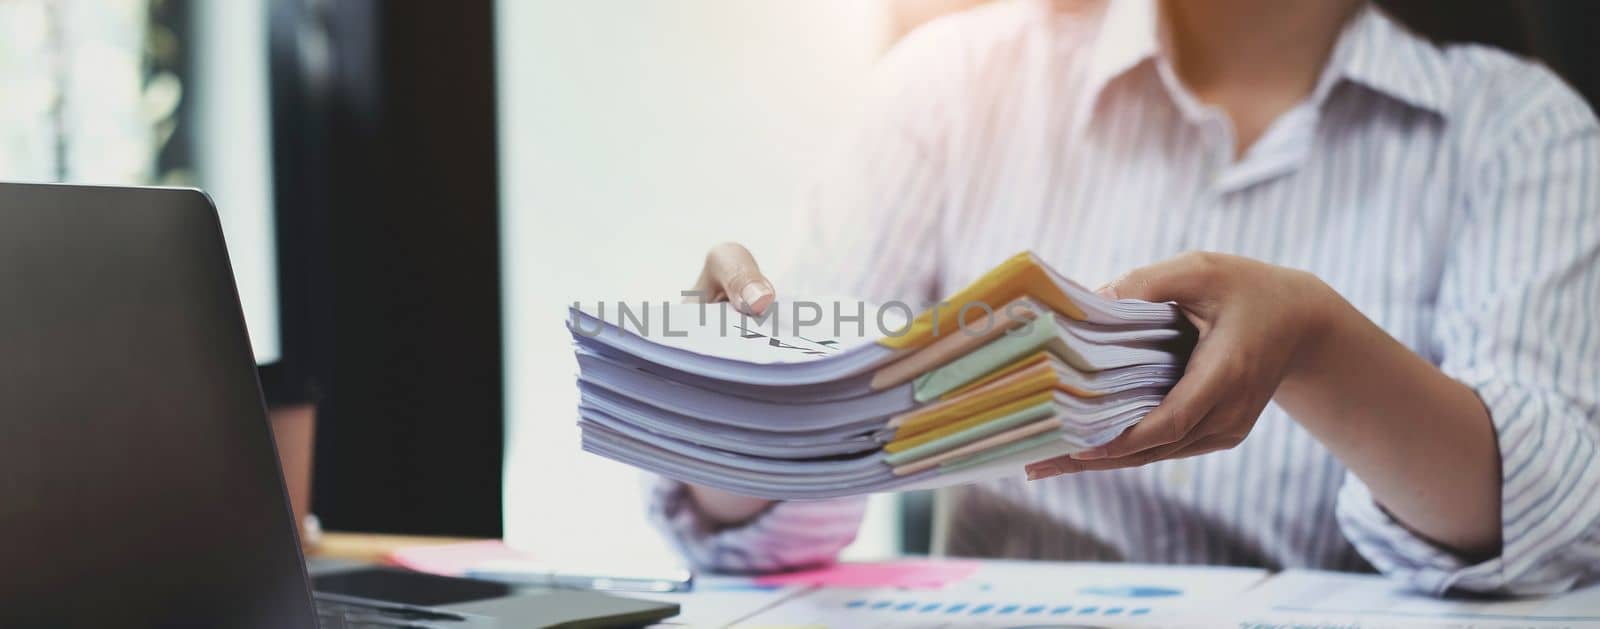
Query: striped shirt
1449, 193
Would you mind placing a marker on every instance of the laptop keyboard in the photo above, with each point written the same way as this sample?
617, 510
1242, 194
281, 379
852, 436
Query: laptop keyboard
335, 614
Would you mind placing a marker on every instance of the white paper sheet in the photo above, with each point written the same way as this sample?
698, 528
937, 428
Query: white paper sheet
1332, 599
720, 331
719, 601
1020, 594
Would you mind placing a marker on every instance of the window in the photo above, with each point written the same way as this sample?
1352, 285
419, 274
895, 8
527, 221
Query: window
633, 137
132, 92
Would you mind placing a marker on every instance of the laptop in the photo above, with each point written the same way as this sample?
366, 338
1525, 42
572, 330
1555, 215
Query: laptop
139, 483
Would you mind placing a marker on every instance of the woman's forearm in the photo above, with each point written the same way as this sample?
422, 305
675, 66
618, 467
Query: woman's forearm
1422, 442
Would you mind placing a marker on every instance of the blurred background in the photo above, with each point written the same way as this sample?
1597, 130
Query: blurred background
412, 193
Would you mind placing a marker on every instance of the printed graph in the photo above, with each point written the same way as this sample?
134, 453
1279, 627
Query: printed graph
959, 608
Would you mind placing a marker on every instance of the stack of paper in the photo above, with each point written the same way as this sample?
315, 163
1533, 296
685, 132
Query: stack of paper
830, 398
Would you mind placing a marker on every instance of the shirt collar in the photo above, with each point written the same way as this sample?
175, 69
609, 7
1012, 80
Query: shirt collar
1129, 34
1373, 51
1378, 53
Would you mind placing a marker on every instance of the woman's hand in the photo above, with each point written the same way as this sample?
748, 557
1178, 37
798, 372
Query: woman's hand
1422, 442
731, 274
1253, 320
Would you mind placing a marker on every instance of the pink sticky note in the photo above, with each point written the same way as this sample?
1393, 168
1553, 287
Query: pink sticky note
904, 573
453, 559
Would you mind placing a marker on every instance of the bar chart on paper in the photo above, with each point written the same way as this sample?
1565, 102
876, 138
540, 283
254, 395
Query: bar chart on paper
1021, 594
1001, 611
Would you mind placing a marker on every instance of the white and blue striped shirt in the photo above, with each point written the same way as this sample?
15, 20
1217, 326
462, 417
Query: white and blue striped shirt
1452, 194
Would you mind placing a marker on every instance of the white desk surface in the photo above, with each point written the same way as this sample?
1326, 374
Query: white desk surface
1047, 594
1207, 597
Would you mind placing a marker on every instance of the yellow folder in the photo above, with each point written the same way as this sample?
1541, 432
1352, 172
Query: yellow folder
1021, 275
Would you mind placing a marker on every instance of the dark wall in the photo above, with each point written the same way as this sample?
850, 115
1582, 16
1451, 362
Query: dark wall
1558, 32
1563, 34
384, 133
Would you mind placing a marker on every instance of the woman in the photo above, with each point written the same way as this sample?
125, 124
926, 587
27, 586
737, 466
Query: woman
1398, 363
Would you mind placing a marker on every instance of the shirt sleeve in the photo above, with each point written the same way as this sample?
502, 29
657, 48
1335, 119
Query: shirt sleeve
1517, 316
868, 231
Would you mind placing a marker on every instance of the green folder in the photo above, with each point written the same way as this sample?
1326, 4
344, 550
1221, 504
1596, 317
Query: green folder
997, 354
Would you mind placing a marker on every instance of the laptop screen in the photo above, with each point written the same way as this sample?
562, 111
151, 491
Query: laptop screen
141, 487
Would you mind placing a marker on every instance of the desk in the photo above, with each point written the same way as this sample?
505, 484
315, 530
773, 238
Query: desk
372, 547
1018, 591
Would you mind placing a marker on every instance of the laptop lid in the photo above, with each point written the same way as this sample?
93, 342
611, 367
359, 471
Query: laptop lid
140, 484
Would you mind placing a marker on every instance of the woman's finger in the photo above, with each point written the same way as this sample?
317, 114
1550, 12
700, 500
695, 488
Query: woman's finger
1193, 445
731, 273
1069, 465
1205, 445
1187, 278
1191, 400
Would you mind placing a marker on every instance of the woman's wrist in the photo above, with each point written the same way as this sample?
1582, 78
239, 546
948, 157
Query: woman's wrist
1323, 331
